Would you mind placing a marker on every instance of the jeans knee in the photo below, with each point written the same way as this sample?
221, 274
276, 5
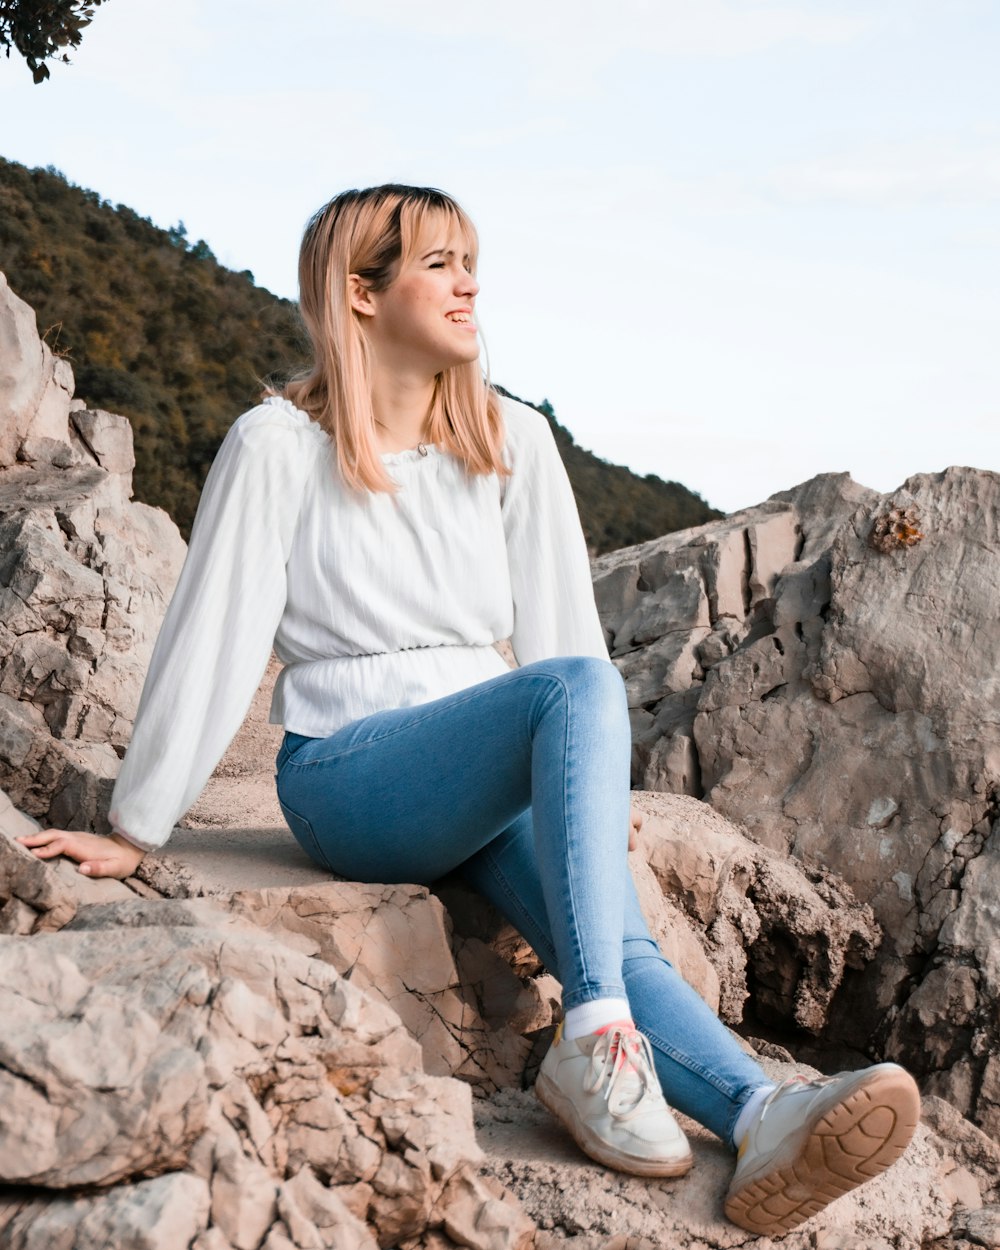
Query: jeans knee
594, 685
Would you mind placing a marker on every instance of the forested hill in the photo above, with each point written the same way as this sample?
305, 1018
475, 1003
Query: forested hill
157, 329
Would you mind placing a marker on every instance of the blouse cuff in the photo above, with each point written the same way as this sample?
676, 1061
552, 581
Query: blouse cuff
139, 846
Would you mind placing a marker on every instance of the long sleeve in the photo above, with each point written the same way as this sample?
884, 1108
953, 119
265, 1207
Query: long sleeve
554, 608
216, 636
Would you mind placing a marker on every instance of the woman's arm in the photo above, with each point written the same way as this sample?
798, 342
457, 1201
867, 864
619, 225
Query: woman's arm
554, 608
218, 630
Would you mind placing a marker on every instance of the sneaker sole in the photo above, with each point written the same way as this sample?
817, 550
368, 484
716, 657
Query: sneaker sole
562, 1108
855, 1141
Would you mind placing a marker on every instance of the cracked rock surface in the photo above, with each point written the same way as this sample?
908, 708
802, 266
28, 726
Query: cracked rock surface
824, 669
168, 1071
85, 576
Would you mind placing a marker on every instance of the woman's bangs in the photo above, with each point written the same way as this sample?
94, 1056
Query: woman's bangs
422, 225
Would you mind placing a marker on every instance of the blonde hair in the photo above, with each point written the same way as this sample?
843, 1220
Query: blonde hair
373, 233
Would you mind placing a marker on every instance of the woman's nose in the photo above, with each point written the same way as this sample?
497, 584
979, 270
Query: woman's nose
467, 283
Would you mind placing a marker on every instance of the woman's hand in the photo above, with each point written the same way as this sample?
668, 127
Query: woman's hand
635, 824
98, 856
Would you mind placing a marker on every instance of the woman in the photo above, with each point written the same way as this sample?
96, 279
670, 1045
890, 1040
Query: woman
382, 523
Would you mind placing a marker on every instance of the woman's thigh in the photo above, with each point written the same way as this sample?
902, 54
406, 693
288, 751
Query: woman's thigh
408, 794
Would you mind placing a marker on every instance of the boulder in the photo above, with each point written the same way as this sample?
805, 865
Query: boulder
85, 576
774, 931
25, 372
843, 712
458, 998
144, 1040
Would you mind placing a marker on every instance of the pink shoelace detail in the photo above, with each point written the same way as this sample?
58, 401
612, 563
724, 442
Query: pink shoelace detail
621, 1059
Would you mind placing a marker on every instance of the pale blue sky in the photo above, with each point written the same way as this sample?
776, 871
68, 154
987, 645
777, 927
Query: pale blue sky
735, 243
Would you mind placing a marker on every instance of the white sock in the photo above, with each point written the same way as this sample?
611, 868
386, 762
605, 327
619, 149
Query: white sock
589, 1017
749, 1111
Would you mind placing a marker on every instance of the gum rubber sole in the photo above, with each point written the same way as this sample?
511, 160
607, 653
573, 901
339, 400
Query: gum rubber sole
853, 1142
562, 1108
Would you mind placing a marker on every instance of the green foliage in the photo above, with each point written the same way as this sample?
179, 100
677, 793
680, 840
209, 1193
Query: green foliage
618, 507
40, 29
154, 327
157, 329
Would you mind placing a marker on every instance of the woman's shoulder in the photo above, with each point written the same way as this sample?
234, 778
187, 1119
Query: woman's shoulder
525, 426
276, 413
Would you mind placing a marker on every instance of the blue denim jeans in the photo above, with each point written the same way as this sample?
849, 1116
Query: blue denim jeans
521, 784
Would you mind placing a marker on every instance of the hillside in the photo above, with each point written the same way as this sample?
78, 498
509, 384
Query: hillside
157, 329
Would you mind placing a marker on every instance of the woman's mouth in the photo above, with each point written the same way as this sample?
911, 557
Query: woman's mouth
462, 319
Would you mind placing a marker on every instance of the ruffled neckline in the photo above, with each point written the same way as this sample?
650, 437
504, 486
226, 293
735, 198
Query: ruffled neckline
408, 456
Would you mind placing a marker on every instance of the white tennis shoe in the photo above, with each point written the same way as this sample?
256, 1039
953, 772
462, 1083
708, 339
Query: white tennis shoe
814, 1140
604, 1090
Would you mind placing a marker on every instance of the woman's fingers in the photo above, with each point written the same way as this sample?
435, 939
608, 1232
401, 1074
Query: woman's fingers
635, 824
46, 844
41, 837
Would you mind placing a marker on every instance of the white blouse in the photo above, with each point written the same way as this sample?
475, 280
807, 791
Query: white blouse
370, 602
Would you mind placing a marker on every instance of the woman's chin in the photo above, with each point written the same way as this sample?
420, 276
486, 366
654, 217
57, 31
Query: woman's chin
456, 360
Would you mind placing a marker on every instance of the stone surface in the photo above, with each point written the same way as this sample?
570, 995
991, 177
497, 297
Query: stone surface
163, 1213
457, 998
844, 712
771, 929
85, 576
270, 1097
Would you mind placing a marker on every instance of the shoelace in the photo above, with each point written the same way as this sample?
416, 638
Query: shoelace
620, 1057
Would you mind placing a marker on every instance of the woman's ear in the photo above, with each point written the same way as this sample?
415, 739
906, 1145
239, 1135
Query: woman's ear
360, 296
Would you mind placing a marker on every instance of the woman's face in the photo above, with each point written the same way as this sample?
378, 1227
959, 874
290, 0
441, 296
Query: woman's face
422, 322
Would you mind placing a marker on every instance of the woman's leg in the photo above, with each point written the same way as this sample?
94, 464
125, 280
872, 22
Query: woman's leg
703, 1070
818, 1138
409, 794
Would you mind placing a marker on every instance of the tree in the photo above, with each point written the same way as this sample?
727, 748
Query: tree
40, 29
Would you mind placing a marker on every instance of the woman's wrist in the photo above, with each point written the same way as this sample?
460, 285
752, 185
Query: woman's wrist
123, 840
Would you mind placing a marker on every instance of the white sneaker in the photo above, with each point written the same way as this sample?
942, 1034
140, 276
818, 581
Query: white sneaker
604, 1090
815, 1140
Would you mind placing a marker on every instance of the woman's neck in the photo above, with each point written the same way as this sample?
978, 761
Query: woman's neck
402, 407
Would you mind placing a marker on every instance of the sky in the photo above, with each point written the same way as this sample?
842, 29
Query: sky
734, 243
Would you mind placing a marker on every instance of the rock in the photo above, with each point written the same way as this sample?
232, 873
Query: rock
676, 937
962, 1188
182, 1040
164, 1213
25, 368
315, 1215
968, 1145
845, 714
85, 576
456, 997
108, 438
982, 1227
38, 895
761, 920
